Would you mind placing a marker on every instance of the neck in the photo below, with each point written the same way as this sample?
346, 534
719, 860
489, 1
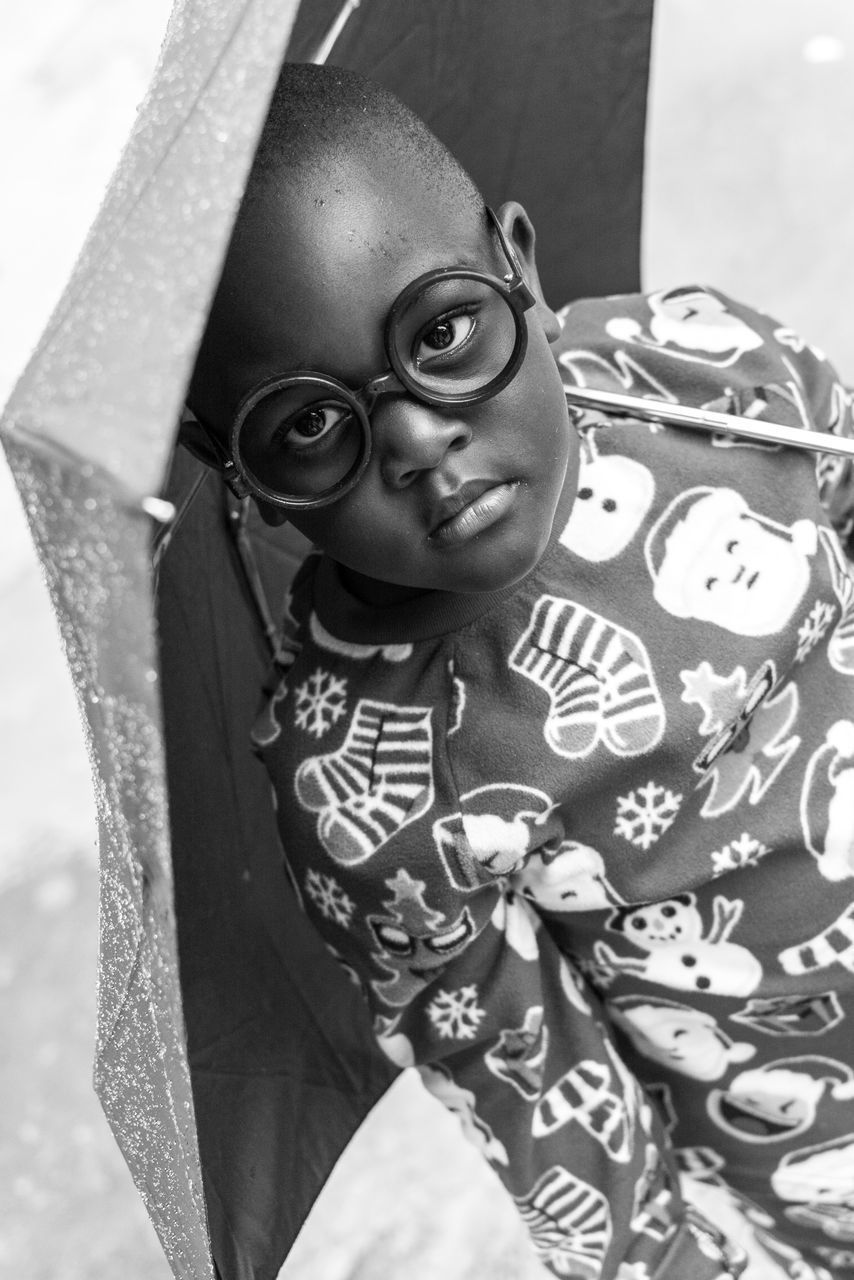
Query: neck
373, 591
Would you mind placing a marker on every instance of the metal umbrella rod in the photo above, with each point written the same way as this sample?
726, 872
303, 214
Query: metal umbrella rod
327, 44
730, 424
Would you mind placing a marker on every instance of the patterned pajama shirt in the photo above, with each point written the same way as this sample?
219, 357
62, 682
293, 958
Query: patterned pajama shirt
599, 827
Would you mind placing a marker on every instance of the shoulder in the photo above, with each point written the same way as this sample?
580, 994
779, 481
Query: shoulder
694, 345
690, 318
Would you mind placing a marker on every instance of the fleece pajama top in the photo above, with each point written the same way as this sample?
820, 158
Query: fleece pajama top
600, 825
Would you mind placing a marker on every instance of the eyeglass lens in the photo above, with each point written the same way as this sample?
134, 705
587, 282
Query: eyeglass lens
455, 336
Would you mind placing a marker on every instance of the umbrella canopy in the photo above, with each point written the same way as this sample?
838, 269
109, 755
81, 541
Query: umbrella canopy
88, 432
233, 1060
543, 103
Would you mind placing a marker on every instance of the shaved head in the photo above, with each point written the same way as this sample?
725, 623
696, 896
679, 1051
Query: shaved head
343, 172
322, 117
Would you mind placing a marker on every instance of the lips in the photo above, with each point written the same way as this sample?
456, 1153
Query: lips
469, 510
453, 503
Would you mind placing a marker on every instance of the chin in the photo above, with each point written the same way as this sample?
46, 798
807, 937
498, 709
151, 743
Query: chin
506, 567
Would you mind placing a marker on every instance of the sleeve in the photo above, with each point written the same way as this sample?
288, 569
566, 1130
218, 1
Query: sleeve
830, 406
696, 346
826, 405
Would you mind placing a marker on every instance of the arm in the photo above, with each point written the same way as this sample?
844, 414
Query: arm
696, 347
830, 406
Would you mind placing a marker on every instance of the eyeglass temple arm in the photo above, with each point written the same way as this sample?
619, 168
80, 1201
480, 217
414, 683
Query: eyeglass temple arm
224, 461
515, 279
730, 424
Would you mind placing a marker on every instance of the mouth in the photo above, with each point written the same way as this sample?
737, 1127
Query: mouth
470, 510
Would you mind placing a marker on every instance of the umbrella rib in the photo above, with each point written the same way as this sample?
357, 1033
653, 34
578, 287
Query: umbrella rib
164, 537
329, 41
59, 451
711, 420
108, 1034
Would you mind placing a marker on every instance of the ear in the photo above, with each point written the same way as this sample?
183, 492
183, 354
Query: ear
193, 436
197, 440
519, 229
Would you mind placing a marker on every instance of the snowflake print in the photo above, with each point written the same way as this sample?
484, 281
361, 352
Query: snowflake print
644, 815
321, 702
455, 1014
813, 628
329, 898
742, 852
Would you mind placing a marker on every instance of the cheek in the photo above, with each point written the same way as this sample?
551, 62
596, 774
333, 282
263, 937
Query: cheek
365, 533
545, 387
341, 524
538, 383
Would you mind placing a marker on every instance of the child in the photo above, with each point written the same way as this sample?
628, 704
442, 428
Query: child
562, 695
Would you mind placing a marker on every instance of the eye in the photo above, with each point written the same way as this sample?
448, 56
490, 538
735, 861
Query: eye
444, 336
311, 425
731, 546
710, 583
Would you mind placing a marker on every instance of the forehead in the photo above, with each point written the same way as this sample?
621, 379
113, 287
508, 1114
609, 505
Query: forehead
315, 266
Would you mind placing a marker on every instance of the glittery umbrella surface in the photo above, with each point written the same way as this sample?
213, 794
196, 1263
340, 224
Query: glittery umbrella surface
88, 432
233, 1059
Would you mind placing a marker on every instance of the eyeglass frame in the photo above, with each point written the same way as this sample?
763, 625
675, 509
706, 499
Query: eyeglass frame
394, 380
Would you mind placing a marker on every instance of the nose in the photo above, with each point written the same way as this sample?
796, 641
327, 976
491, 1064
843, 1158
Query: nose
409, 437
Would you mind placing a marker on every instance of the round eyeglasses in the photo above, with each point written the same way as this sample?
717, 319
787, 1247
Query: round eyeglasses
454, 336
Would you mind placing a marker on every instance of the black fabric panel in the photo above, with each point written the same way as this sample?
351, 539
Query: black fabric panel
543, 101
282, 1061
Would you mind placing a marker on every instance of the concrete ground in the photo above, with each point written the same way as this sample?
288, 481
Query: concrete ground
750, 181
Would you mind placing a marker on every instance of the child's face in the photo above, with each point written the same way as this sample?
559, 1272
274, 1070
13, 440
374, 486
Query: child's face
308, 284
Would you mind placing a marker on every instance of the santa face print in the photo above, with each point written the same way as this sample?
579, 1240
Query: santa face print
747, 578
780, 1099
690, 323
773, 1113
493, 833
698, 321
713, 559
566, 876
687, 1041
821, 1174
